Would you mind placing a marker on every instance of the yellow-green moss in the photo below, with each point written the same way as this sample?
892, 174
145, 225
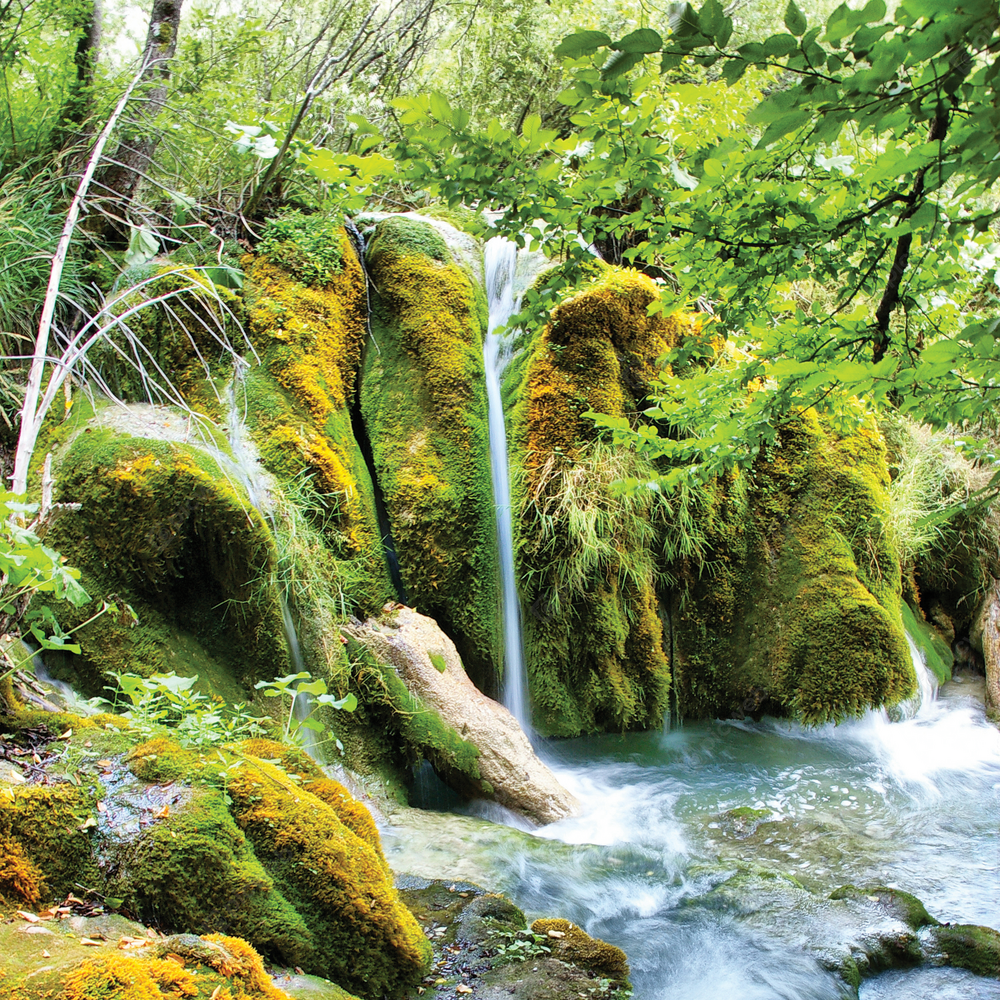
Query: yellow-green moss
970, 947
575, 945
302, 767
424, 404
799, 611
365, 938
123, 977
298, 401
48, 827
596, 653
21, 879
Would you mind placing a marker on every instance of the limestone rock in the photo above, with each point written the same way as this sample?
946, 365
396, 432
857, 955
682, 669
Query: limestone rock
986, 633
508, 770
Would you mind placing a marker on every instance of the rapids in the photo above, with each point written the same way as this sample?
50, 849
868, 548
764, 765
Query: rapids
669, 816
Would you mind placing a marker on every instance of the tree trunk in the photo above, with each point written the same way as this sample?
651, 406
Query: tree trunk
117, 181
77, 105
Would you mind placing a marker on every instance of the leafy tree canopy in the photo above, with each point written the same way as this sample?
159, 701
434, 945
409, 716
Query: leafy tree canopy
827, 202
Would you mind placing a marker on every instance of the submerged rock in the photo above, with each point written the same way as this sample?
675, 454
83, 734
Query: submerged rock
503, 766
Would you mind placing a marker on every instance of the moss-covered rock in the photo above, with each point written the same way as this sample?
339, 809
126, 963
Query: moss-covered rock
967, 946
424, 405
594, 643
221, 842
196, 555
572, 944
800, 613
122, 960
895, 903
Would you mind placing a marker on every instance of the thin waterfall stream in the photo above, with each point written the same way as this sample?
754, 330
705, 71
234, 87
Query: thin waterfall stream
500, 259
246, 468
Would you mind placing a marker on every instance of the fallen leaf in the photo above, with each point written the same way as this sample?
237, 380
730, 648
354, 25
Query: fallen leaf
104, 763
45, 954
88, 744
72, 899
165, 811
91, 942
85, 825
36, 758
462, 988
175, 958
24, 915
556, 934
215, 993
66, 735
101, 807
127, 941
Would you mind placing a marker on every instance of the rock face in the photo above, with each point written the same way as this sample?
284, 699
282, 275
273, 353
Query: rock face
504, 767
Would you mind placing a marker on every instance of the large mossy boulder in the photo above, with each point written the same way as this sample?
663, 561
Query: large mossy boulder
247, 841
594, 642
798, 612
424, 404
164, 526
775, 589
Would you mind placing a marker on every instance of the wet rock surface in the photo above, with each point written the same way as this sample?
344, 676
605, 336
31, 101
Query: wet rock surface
483, 948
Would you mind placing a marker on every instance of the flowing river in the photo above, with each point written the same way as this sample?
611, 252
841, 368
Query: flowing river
668, 817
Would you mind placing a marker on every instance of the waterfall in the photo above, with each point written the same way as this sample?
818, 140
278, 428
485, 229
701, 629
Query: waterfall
500, 259
246, 468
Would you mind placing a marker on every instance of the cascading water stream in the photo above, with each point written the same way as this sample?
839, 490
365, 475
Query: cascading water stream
246, 468
500, 259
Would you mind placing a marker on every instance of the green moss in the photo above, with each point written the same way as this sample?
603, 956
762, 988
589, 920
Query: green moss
298, 404
183, 334
307, 246
195, 551
969, 947
464, 219
424, 404
937, 654
799, 612
894, 902
399, 237
195, 871
392, 709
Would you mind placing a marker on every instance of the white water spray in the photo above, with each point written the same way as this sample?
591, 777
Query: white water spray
500, 258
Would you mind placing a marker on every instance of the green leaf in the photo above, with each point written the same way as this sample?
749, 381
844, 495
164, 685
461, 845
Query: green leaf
711, 18
795, 20
582, 43
643, 40
620, 62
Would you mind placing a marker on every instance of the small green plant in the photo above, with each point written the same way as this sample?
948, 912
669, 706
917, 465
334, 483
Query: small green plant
302, 686
29, 568
306, 245
438, 660
166, 701
519, 946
